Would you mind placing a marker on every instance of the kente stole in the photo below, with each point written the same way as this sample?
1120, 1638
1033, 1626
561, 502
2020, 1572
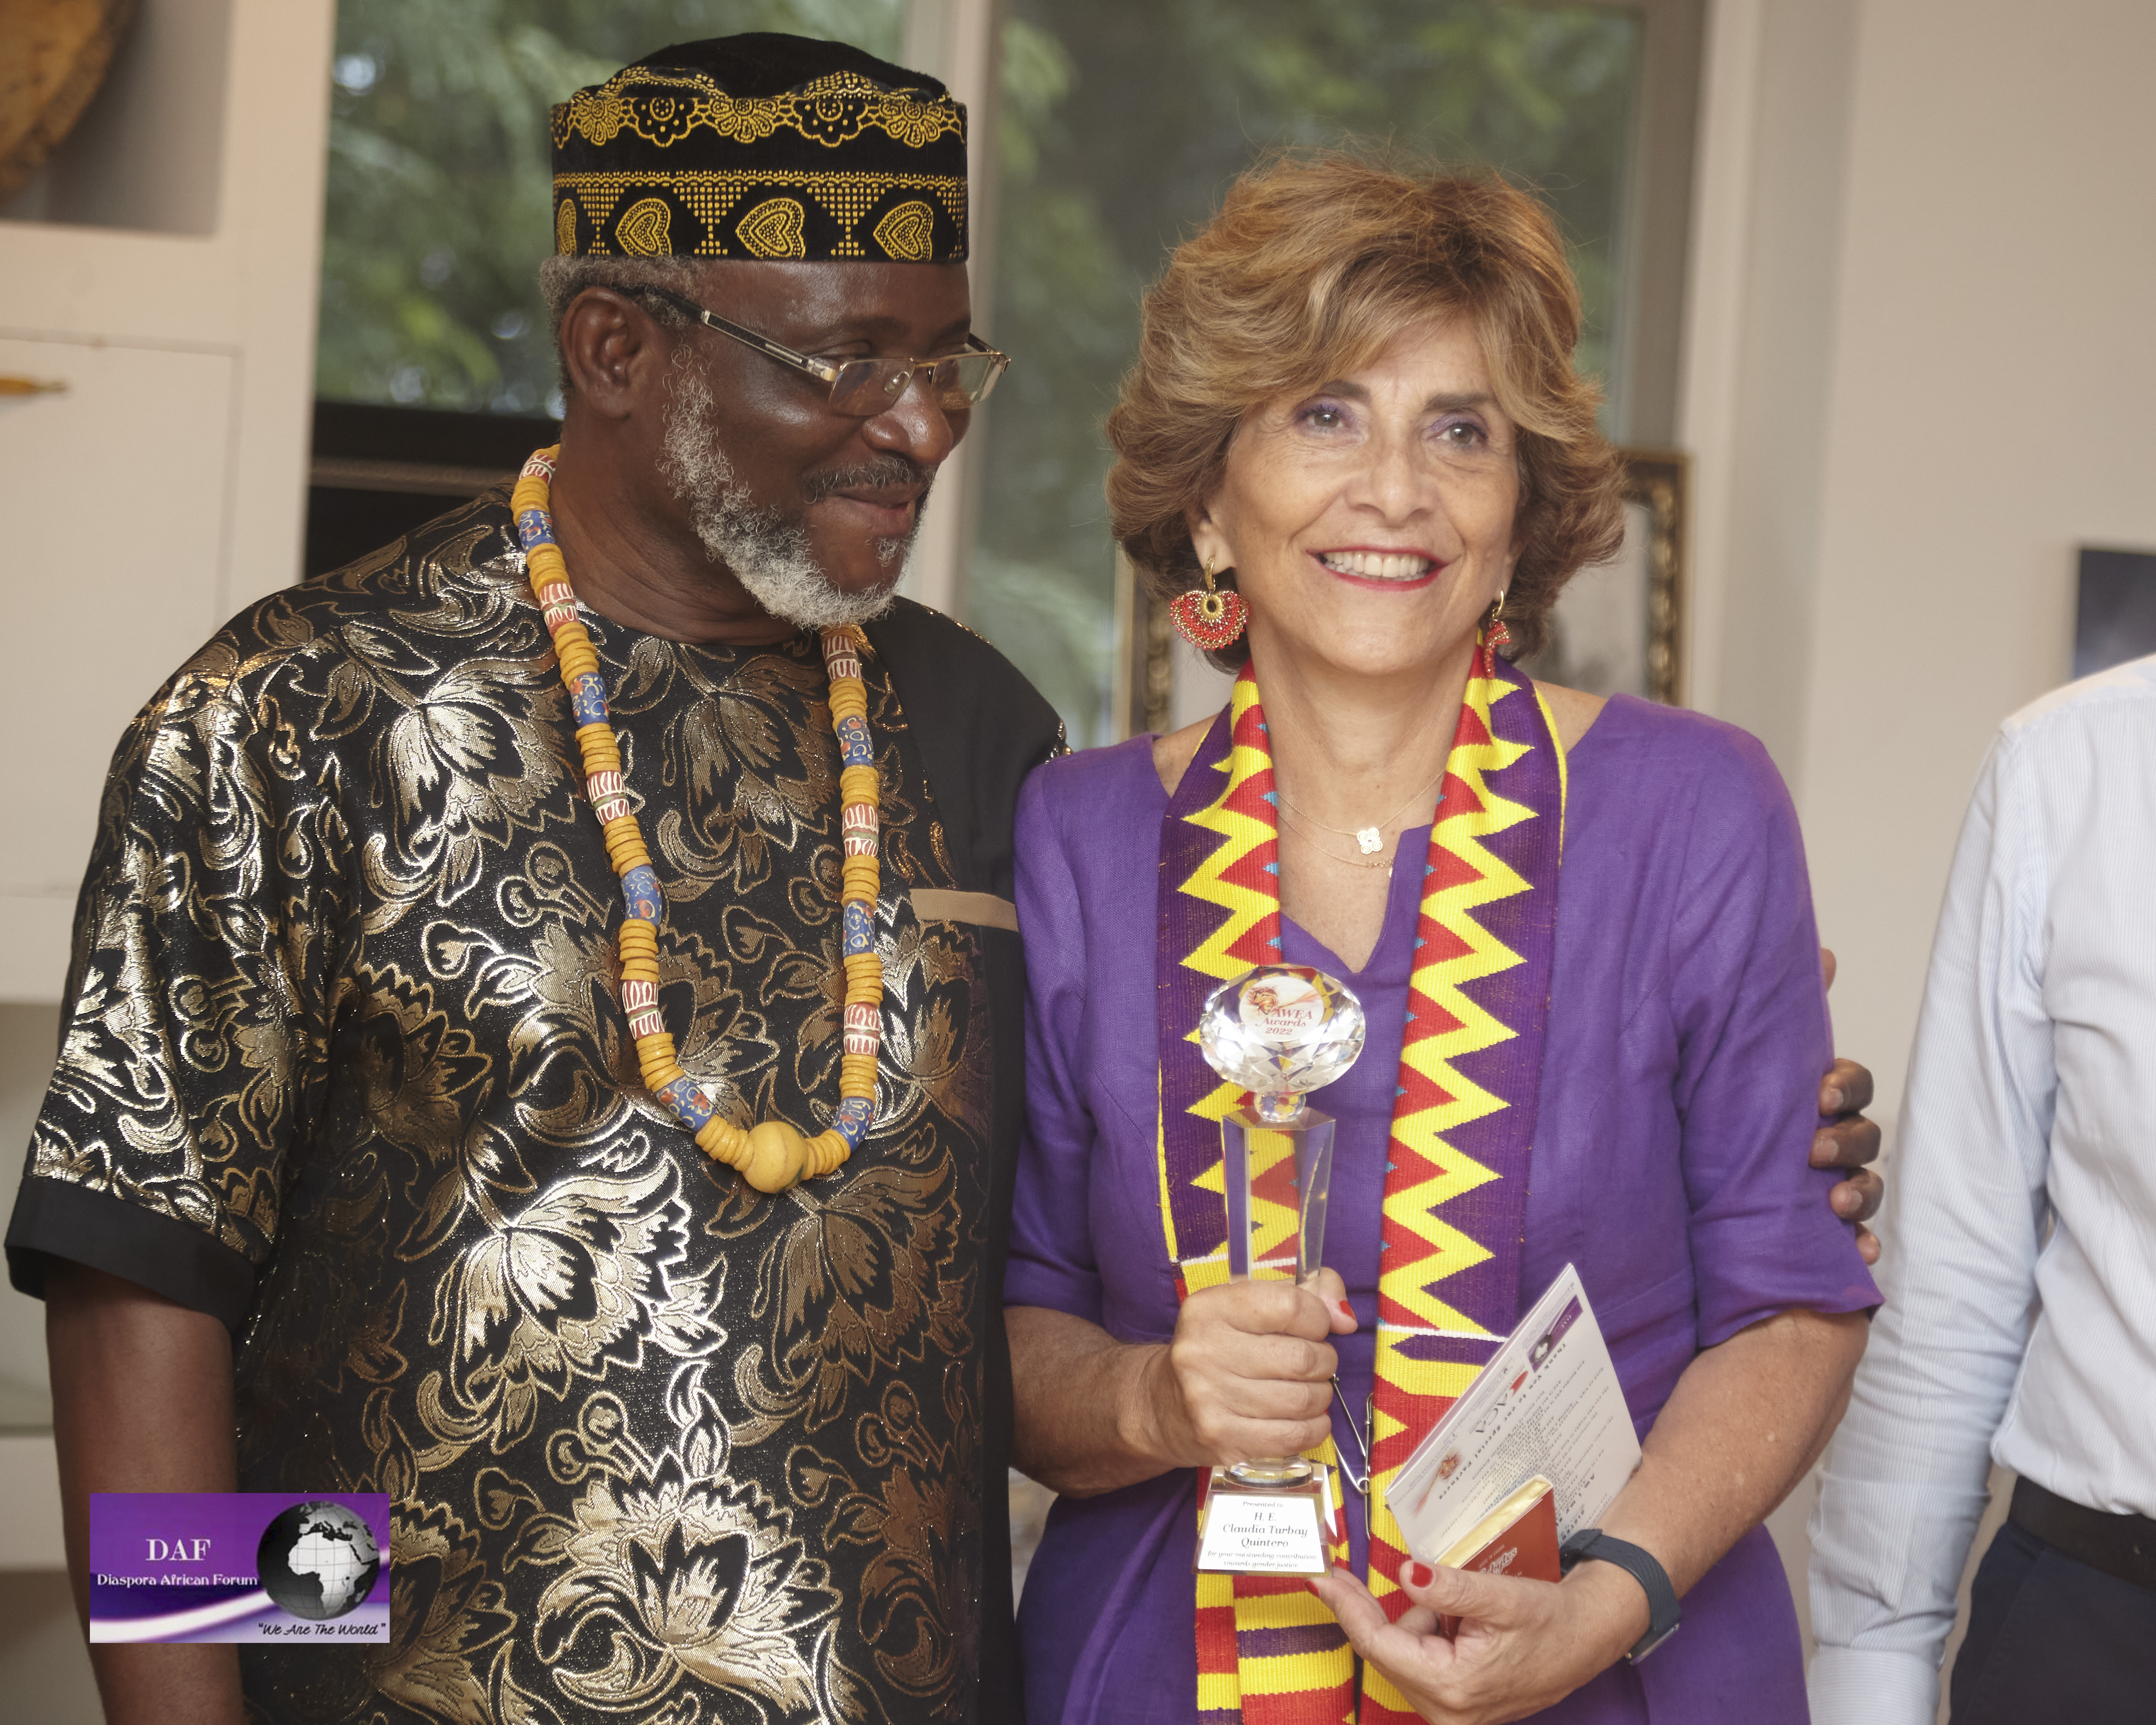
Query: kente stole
1268, 1651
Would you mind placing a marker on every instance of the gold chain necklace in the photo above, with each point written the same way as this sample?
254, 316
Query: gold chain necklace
1353, 862
1368, 839
772, 1155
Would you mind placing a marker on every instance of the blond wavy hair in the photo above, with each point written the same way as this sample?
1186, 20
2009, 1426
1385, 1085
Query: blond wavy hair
1314, 265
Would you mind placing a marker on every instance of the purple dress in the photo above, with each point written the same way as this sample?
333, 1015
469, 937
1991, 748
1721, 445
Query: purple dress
1687, 1033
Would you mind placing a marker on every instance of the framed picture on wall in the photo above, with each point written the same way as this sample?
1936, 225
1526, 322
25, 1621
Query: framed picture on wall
2115, 608
1618, 627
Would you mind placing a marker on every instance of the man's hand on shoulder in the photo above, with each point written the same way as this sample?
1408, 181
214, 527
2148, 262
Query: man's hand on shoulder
1850, 1141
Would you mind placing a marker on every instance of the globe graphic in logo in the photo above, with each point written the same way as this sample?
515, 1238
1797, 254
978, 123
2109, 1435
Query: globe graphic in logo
317, 1560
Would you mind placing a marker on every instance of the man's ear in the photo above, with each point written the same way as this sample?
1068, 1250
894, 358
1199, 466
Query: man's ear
613, 350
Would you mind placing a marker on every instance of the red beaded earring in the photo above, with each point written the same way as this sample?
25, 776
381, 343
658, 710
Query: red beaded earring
1210, 619
1494, 631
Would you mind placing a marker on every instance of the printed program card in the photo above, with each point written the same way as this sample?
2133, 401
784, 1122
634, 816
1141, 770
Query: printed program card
1548, 1403
296, 1569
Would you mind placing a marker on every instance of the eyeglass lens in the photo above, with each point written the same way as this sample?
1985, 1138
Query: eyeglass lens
869, 386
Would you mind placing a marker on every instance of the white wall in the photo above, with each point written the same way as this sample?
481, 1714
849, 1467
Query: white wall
1919, 366
1921, 356
164, 268
247, 287
1990, 396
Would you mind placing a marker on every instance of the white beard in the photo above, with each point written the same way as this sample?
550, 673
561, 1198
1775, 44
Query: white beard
769, 554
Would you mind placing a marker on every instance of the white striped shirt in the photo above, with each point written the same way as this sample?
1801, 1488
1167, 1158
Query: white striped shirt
2031, 1103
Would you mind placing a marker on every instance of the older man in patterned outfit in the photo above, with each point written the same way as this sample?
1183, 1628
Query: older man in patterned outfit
348, 1178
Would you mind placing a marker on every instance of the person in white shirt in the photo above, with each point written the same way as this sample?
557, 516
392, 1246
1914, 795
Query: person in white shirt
2020, 1317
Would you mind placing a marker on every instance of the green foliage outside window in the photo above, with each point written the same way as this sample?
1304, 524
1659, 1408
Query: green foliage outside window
438, 210
1122, 121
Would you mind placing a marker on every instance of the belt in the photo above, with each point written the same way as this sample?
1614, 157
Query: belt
2120, 1546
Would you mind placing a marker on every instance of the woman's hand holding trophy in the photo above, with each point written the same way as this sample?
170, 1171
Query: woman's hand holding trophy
1247, 1382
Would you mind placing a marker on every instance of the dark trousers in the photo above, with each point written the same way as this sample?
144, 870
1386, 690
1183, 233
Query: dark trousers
2052, 1639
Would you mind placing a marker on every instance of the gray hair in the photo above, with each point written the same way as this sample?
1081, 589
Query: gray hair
561, 279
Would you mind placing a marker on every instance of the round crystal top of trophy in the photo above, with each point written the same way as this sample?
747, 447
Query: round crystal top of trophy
1280, 1031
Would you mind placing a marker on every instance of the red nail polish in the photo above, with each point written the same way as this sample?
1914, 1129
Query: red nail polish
1346, 1309
1420, 1574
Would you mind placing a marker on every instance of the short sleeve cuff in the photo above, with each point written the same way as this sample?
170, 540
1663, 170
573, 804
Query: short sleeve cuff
1850, 1686
57, 1219
1035, 1281
1806, 1259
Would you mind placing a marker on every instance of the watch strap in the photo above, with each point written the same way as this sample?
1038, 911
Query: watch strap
1593, 1545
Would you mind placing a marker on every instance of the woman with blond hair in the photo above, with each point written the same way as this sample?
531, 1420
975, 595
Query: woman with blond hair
1356, 457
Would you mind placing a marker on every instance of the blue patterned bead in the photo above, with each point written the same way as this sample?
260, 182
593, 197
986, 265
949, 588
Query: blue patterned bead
691, 1105
854, 741
589, 699
852, 1119
860, 930
533, 528
640, 892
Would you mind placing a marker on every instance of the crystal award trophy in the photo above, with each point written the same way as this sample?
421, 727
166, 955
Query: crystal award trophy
1279, 1032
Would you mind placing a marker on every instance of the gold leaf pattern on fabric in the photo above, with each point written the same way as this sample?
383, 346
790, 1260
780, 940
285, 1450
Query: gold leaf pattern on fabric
347, 1003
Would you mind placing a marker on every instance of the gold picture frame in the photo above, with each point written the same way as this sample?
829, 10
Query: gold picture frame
1660, 482
1651, 579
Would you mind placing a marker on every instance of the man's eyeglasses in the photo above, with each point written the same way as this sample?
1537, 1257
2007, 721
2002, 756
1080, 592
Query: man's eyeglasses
864, 387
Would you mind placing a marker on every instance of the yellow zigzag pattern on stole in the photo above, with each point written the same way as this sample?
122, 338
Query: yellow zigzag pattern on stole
1241, 834
1244, 833
1451, 906
1245, 910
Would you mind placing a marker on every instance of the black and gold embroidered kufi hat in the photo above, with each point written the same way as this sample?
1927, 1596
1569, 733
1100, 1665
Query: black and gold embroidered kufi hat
762, 145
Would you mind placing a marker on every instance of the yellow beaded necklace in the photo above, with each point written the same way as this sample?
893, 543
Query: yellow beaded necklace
772, 1155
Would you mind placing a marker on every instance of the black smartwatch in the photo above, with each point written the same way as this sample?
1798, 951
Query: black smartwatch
1593, 1545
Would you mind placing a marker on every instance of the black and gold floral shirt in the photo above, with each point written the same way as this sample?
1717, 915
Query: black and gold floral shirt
344, 1063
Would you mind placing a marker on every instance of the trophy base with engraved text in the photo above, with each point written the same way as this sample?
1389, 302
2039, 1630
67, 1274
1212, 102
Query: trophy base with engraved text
1265, 1530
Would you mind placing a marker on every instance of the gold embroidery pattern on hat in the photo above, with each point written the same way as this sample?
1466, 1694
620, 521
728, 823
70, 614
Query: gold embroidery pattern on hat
773, 228
908, 233
709, 196
645, 229
565, 228
830, 111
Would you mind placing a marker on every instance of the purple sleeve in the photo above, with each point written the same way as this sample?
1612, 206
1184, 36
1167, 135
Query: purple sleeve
1751, 1019
1052, 1262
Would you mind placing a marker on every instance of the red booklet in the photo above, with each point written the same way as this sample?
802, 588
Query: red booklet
1517, 1537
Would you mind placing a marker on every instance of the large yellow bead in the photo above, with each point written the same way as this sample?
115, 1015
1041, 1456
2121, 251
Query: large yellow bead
776, 1155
